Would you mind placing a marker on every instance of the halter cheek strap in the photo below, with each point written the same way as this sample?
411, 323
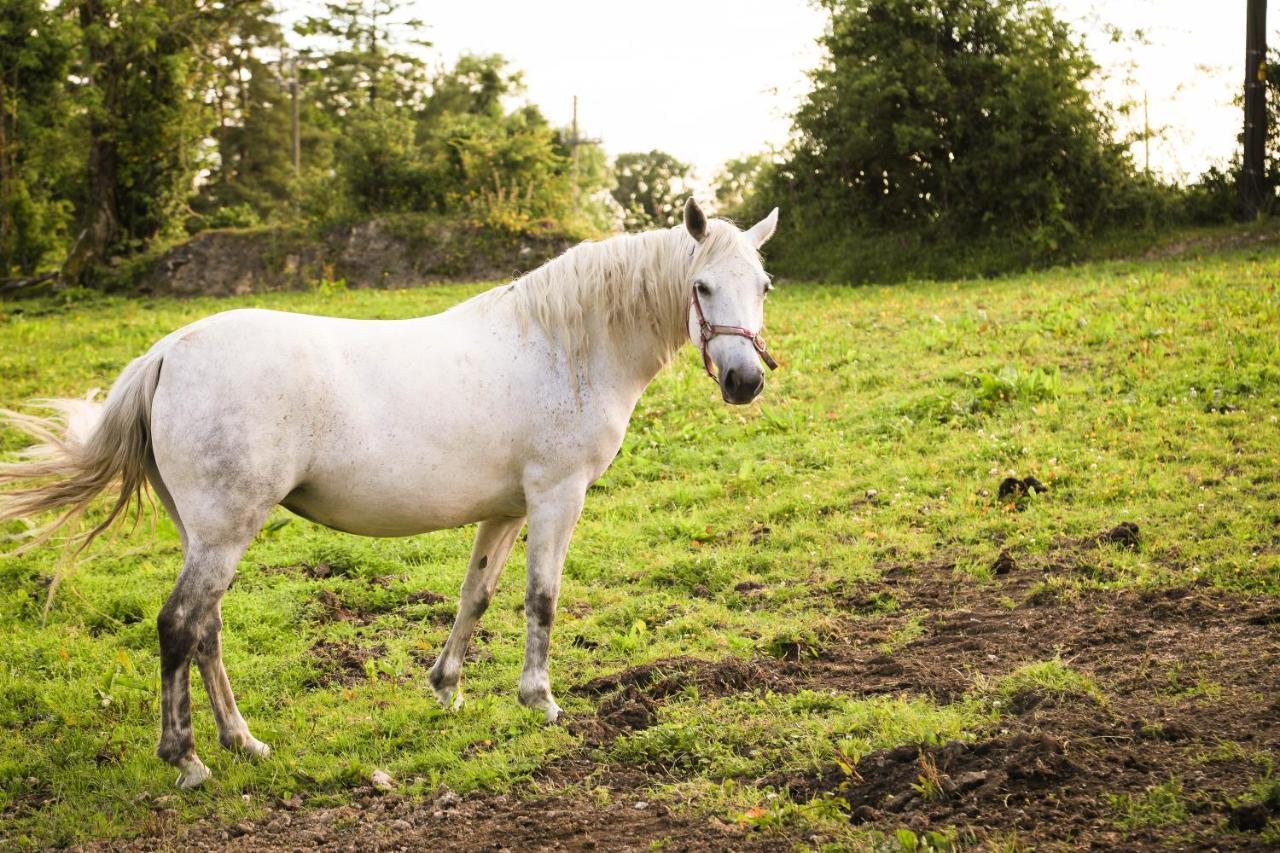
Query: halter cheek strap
707, 331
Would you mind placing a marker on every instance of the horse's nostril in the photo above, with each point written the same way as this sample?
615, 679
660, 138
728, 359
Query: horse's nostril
731, 381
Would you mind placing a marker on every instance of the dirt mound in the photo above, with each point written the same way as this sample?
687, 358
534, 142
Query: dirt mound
1181, 670
388, 252
631, 697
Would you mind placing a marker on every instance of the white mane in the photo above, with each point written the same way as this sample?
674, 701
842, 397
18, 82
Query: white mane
638, 284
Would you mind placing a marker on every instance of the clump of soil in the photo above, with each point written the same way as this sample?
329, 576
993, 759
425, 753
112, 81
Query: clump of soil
1123, 535
1015, 491
1004, 564
342, 664
334, 609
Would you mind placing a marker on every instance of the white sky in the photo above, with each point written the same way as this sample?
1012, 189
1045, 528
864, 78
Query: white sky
707, 80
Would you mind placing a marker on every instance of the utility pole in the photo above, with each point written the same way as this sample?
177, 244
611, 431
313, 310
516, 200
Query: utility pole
1255, 111
293, 107
1146, 133
574, 142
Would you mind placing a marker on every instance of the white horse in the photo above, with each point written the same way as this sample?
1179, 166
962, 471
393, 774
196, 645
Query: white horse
502, 409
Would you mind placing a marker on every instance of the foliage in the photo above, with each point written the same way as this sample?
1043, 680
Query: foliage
650, 188
365, 55
250, 177
735, 186
953, 120
37, 134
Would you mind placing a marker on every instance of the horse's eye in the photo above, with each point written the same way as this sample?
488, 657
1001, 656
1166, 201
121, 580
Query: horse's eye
703, 288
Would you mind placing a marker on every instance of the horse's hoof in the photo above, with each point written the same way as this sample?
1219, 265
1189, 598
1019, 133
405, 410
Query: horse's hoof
450, 698
541, 701
255, 748
192, 773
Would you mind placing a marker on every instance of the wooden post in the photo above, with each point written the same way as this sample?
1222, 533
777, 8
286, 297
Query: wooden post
1252, 178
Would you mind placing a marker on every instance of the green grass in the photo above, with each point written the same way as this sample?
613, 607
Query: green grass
1146, 392
1159, 805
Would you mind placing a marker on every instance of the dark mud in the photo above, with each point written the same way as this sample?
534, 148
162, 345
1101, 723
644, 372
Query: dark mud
1191, 701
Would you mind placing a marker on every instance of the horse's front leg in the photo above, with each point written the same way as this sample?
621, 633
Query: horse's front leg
494, 539
552, 516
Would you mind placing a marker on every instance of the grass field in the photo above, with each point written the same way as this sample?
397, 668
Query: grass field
860, 642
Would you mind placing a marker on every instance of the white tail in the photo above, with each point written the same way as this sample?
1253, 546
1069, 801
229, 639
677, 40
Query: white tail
86, 449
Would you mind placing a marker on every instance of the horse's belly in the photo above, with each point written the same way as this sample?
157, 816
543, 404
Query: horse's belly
372, 506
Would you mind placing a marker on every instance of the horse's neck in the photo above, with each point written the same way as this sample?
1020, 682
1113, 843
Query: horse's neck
636, 362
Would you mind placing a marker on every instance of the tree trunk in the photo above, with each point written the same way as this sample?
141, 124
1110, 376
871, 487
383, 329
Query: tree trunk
1252, 179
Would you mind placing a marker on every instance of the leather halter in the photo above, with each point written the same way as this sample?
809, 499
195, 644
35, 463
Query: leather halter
707, 331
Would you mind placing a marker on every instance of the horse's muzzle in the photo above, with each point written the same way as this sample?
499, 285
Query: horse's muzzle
741, 386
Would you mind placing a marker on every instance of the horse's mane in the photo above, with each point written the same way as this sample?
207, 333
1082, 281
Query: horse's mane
637, 283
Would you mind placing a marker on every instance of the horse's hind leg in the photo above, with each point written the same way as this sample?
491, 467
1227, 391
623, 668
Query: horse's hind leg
233, 731
189, 625
494, 540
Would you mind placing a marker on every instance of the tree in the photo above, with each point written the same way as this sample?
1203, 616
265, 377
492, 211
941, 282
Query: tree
251, 176
969, 117
145, 68
650, 188
39, 155
736, 183
373, 58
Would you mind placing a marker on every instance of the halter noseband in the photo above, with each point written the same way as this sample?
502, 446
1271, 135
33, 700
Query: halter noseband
707, 331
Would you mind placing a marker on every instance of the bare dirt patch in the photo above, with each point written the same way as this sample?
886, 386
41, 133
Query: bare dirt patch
1189, 676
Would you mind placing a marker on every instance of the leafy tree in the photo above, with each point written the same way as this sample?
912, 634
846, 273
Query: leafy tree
736, 183
967, 116
251, 177
476, 85
145, 67
650, 188
375, 59
39, 155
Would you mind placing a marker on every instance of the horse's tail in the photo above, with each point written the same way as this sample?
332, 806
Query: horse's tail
84, 449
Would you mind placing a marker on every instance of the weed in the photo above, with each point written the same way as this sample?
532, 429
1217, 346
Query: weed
1159, 805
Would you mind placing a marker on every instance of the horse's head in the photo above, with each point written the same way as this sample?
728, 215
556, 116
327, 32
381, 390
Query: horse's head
726, 303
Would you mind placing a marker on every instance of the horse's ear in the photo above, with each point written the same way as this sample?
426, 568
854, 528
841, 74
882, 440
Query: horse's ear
760, 233
695, 221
